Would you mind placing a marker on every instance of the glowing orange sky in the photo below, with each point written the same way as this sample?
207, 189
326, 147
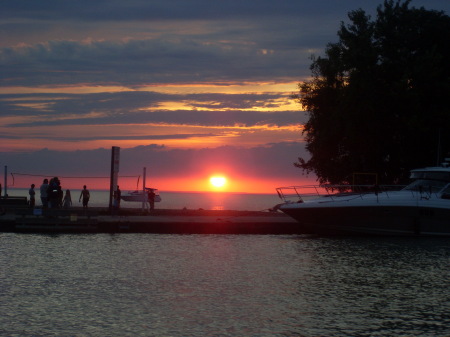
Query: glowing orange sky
48, 136
185, 184
75, 136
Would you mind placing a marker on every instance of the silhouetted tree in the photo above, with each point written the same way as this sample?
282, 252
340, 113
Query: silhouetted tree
378, 101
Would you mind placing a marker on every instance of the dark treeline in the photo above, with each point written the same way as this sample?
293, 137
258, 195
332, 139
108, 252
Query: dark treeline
378, 101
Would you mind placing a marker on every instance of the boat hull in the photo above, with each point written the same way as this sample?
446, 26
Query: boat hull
372, 220
421, 208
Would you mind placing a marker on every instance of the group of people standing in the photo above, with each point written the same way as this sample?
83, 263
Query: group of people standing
52, 195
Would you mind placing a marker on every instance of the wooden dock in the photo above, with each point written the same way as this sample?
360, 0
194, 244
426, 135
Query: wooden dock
100, 220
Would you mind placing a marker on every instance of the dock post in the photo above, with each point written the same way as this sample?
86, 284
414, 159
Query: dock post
114, 176
6, 182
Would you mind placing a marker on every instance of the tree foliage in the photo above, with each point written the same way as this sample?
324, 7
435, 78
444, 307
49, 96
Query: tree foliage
378, 101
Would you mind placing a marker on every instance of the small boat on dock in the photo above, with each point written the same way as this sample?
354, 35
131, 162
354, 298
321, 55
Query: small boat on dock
139, 196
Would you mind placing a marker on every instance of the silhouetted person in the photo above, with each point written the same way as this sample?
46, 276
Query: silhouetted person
151, 199
52, 192
44, 196
67, 200
85, 195
31, 192
2, 210
60, 194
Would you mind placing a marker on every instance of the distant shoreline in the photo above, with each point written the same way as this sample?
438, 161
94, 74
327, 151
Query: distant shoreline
25, 189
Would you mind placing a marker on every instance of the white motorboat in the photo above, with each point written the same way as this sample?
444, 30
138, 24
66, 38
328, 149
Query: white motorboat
421, 208
136, 196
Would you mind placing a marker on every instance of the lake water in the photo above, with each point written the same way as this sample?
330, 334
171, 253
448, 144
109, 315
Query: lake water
179, 200
222, 285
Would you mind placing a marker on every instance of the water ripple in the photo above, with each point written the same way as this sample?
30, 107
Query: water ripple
222, 285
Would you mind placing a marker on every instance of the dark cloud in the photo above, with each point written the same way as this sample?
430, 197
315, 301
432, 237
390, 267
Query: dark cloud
180, 117
127, 137
139, 62
165, 10
128, 101
217, 41
136, 108
79, 104
145, 10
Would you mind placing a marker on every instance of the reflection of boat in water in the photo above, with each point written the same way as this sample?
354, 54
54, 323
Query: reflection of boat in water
136, 196
420, 209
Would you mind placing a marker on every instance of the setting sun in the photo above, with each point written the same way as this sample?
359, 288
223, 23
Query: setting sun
218, 181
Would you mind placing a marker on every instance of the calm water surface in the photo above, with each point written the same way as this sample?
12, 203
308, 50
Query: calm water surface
222, 285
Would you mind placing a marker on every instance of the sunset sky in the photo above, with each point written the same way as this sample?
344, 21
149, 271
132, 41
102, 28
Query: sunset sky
188, 89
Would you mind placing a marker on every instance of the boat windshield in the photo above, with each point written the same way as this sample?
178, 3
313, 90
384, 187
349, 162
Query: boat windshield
426, 185
431, 175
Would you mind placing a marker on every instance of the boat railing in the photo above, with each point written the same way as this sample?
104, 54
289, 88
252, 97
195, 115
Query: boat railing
305, 192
